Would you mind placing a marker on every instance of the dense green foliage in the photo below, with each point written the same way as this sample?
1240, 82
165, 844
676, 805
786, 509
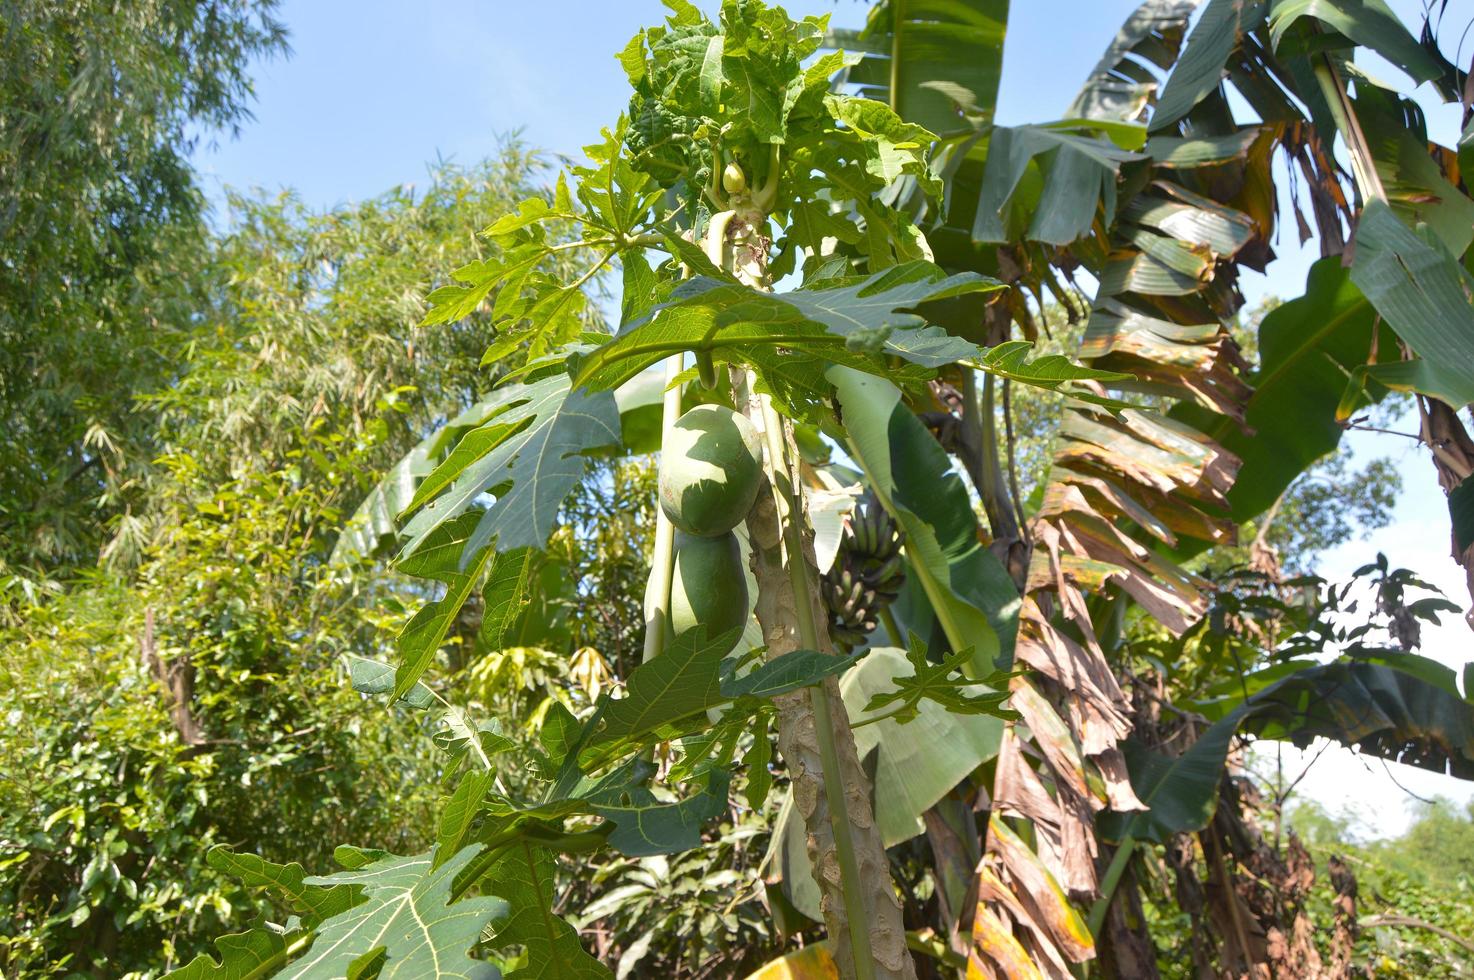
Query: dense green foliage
100, 239
306, 378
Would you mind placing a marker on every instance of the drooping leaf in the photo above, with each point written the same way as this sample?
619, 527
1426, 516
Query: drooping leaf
1117, 88
408, 915
645, 825
790, 337
243, 956
440, 556
1181, 791
948, 59
1204, 60
542, 431
1426, 296
914, 479
759, 778
1368, 23
523, 874
1392, 709
1078, 173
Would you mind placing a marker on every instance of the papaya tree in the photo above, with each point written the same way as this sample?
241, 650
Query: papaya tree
832, 266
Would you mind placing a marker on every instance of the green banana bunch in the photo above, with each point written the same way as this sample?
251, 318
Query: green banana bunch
866, 576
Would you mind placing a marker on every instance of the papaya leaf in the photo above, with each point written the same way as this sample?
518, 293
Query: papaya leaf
373, 523
288, 882
458, 812
937, 682
759, 778
853, 323
523, 874
801, 668
438, 555
684, 680
243, 956
505, 593
645, 826
376, 677
407, 915
1054, 372
534, 460
913, 477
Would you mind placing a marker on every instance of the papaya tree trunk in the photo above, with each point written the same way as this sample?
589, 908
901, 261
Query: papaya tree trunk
830, 790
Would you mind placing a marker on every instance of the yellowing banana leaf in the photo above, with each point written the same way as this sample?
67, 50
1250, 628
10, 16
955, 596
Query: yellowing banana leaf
813, 962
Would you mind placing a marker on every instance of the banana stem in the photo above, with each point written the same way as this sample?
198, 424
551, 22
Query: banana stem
790, 515
662, 563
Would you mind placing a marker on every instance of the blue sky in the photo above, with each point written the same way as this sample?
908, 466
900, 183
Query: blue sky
375, 90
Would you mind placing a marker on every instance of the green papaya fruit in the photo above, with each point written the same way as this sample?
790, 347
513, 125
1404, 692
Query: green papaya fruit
707, 585
710, 470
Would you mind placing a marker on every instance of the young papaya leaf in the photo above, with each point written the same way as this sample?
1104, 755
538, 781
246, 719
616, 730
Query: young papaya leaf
459, 734
524, 875
440, 556
759, 778
855, 322
938, 682
243, 956
407, 915
376, 677
543, 432
801, 668
645, 826
914, 479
